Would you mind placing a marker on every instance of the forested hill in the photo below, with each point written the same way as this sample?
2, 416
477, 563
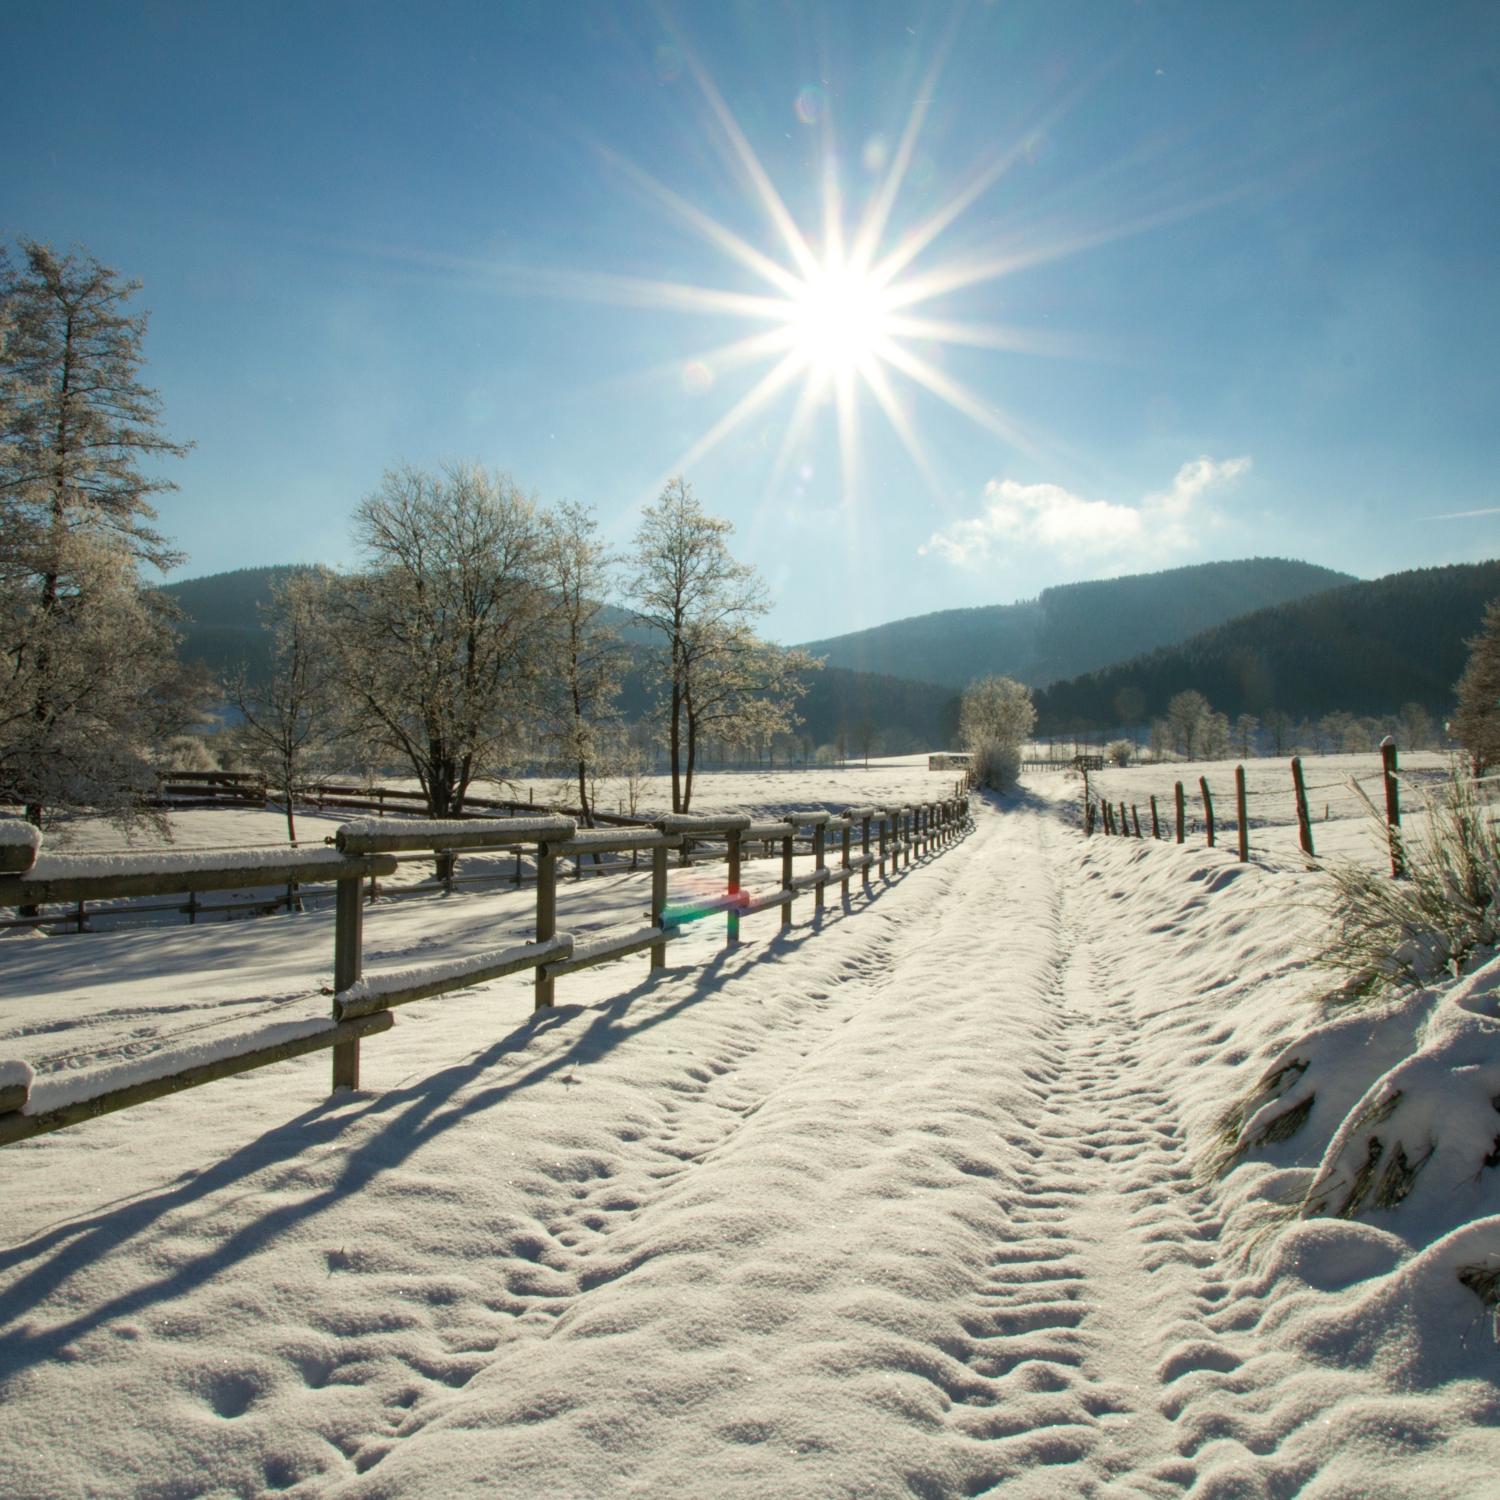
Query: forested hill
1076, 627
1366, 648
221, 625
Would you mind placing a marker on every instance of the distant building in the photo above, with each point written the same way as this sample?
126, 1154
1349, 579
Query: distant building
949, 760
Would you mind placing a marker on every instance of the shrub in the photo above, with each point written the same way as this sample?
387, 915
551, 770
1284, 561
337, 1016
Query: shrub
1397, 935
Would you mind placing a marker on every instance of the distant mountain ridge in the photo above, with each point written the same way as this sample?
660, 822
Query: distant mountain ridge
1074, 627
1366, 648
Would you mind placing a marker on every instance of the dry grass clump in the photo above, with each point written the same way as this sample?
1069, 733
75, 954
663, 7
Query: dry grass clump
1393, 936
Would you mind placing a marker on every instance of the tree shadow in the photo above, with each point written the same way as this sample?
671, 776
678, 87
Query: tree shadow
406, 1118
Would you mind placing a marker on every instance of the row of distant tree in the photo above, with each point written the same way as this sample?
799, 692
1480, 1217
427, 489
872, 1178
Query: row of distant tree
1193, 729
473, 631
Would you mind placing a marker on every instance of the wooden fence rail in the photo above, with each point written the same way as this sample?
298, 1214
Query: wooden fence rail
363, 851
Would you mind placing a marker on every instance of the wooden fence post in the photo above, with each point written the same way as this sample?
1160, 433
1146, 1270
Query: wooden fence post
1124, 821
1181, 815
348, 963
786, 876
1392, 807
1240, 809
864, 849
844, 855
1208, 810
1135, 818
820, 848
732, 926
1088, 819
546, 916
1304, 818
658, 902
884, 819
1155, 821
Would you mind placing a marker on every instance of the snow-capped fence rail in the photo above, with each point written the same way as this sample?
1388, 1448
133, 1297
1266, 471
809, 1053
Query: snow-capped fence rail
1124, 820
888, 839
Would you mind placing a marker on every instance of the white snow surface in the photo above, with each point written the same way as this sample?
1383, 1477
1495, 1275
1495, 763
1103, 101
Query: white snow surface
911, 1201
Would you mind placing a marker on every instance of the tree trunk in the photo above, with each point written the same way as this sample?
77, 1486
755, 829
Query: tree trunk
675, 736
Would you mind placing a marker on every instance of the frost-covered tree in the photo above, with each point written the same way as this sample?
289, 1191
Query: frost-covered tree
740, 689
586, 656
687, 587
1187, 718
1476, 724
91, 678
1246, 727
995, 718
288, 719
1414, 729
89, 684
440, 639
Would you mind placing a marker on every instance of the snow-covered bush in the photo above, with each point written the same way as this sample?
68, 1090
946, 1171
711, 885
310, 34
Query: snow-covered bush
1119, 752
995, 719
186, 752
1392, 936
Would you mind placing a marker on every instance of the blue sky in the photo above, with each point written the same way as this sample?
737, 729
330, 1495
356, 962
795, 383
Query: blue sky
1221, 281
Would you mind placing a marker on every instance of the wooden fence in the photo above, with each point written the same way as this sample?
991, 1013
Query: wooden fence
888, 840
1123, 819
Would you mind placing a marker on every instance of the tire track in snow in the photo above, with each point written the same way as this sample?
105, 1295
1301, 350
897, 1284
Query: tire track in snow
1097, 1297
608, 1227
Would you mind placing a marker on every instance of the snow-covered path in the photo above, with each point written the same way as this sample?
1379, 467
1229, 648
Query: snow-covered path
904, 1206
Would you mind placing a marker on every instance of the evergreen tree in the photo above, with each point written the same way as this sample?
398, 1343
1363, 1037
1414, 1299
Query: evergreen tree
91, 681
1476, 725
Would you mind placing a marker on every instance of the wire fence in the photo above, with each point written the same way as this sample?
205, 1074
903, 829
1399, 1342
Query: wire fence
1275, 810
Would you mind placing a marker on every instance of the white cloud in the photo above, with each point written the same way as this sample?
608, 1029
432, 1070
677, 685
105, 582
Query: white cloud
1048, 517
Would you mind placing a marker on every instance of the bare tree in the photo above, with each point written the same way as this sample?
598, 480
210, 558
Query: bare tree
586, 653
1187, 719
438, 641
688, 588
1414, 730
288, 718
741, 689
88, 654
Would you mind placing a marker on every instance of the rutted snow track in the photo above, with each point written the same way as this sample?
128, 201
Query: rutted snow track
902, 1208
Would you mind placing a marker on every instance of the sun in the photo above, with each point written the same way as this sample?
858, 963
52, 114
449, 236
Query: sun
838, 321
845, 312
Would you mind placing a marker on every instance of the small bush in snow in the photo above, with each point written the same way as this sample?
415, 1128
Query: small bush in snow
1119, 752
1397, 935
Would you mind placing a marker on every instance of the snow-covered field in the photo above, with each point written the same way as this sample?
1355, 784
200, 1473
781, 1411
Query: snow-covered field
926, 1199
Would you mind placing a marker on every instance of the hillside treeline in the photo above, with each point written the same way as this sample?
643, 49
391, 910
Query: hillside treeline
1075, 627
1364, 649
